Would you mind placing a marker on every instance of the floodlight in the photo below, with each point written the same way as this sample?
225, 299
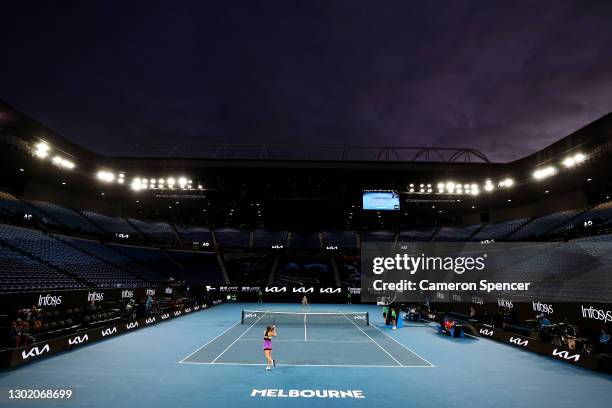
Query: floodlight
106, 176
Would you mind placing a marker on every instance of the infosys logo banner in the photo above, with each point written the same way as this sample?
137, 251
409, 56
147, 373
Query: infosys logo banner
596, 314
95, 296
505, 303
542, 307
127, 294
49, 300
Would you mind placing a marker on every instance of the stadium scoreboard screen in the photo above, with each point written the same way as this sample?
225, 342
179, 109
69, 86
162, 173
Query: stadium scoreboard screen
384, 200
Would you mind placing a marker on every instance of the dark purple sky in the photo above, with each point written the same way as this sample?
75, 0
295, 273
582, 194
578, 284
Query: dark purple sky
505, 77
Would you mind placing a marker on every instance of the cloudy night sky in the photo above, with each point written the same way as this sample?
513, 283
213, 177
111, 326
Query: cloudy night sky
506, 77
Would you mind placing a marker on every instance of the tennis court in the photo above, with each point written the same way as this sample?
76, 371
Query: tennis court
142, 368
330, 339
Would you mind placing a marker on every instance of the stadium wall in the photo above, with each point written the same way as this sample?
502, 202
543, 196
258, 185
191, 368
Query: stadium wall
549, 205
19, 356
34, 191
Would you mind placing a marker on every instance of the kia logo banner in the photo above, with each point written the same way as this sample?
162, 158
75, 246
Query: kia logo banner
590, 361
78, 340
303, 290
330, 290
35, 352
275, 289
109, 331
519, 341
564, 354
485, 332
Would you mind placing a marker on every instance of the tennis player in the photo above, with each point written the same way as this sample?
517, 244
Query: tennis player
304, 301
267, 346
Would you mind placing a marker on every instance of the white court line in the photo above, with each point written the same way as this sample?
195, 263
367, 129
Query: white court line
310, 340
406, 347
381, 347
234, 342
312, 365
305, 337
210, 341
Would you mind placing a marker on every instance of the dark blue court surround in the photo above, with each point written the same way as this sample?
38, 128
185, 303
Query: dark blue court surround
142, 369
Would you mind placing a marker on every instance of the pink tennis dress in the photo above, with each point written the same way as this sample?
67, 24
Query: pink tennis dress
267, 344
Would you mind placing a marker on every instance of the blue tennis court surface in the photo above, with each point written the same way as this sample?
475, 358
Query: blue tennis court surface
308, 338
143, 369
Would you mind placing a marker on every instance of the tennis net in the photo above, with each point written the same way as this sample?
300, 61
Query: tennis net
267, 317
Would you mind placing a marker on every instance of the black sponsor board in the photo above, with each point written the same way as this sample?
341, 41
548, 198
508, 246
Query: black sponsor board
589, 361
290, 294
39, 350
66, 299
588, 318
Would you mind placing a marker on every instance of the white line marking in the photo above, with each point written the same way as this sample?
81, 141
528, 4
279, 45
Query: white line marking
299, 313
234, 342
305, 337
311, 365
311, 340
381, 347
406, 347
210, 341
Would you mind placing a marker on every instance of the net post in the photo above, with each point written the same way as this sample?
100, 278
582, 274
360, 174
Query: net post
367, 318
242, 317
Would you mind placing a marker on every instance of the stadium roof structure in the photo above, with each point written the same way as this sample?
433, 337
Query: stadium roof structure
215, 182
306, 152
